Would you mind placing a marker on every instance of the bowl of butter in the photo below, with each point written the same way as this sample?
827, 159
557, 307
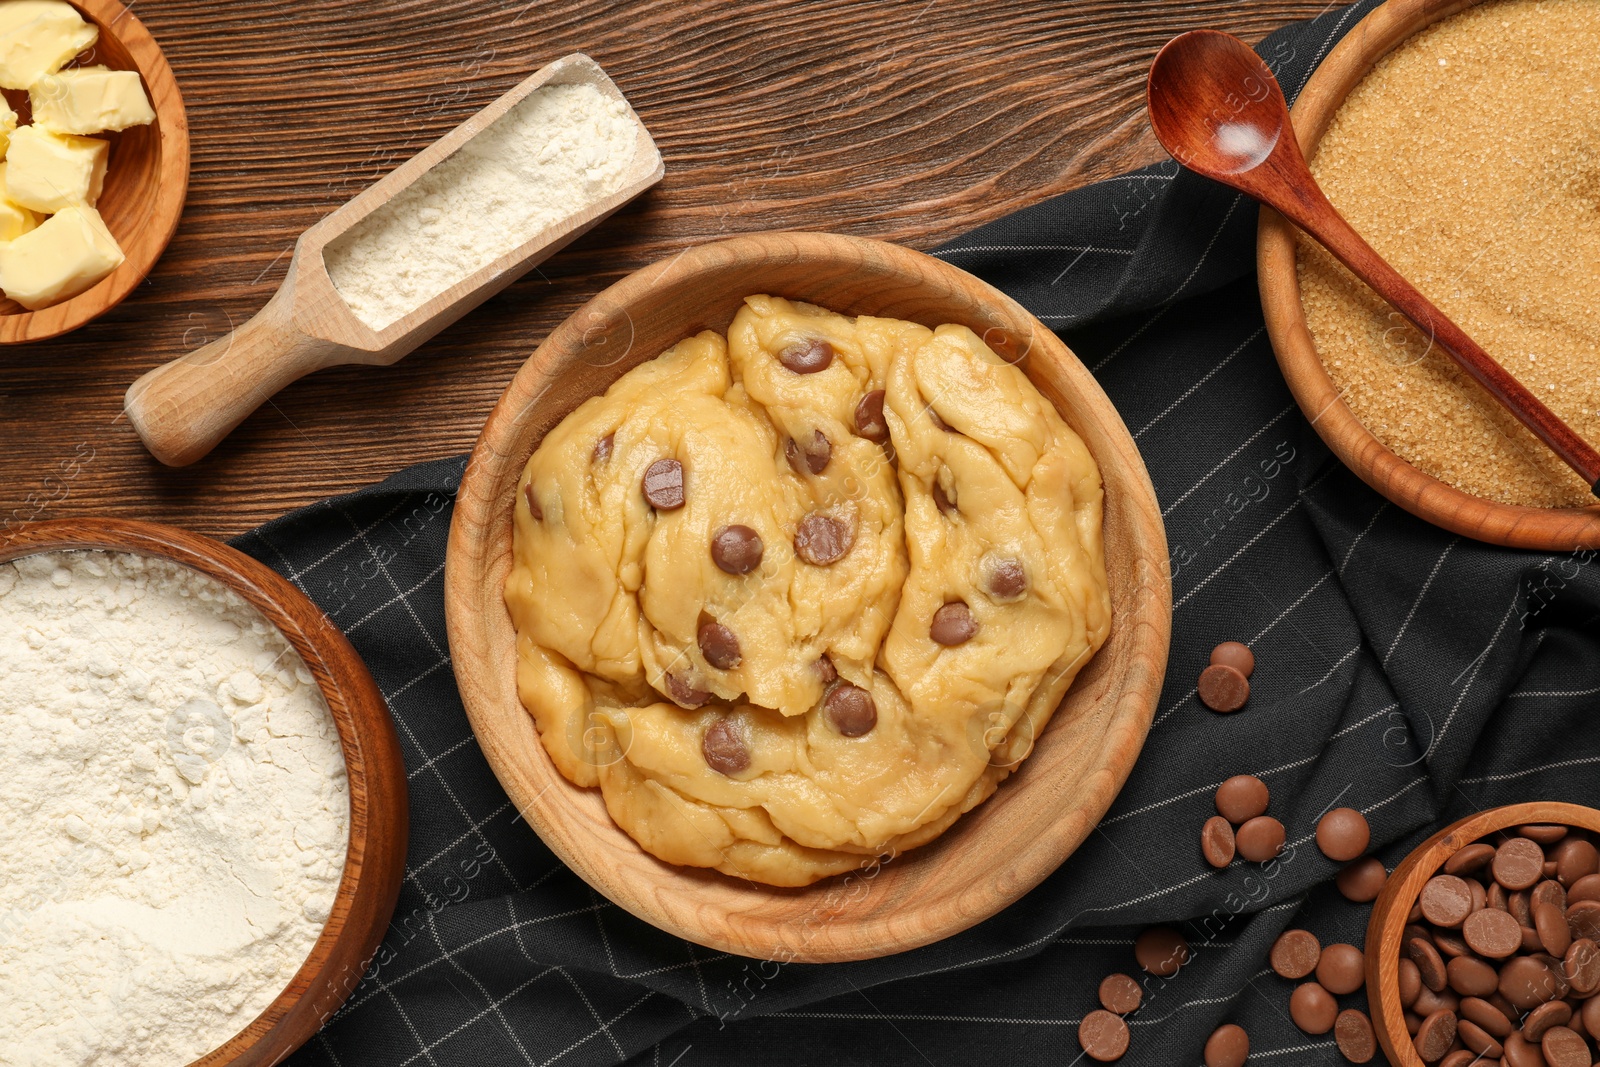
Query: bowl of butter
94, 162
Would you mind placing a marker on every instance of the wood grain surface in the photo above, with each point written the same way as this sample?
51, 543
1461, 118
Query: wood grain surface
911, 122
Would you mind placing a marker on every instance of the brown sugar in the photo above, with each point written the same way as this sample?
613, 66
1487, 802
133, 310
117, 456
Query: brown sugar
1469, 158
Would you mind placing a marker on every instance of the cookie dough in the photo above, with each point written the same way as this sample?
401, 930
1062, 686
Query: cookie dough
803, 596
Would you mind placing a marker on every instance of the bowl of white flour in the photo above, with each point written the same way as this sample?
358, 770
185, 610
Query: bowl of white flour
202, 804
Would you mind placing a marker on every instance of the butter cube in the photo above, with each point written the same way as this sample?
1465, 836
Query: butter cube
49, 171
39, 37
90, 99
65, 255
15, 220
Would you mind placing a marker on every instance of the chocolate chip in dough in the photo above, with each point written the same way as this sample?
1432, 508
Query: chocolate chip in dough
1161, 951
1223, 688
1295, 954
1314, 1010
1429, 963
1575, 859
813, 456
533, 503
827, 671
736, 549
953, 625
1362, 880
603, 447
1228, 1046
1104, 1036
808, 356
1343, 834
1341, 969
724, 748
1234, 654
1435, 1035
1120, 994
1216, 841
663, 485
1008, 580
823, 539
938, 423
850, 710
1518, 863
1546, 1015
870, 422
1241, 798
1492, 933
1446, 900
941, 500
718, 644
1469, 858
1260, 839
1562, 1047
1353, 1033
684, 694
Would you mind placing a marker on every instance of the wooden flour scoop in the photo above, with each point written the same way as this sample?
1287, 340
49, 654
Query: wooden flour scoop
183, 409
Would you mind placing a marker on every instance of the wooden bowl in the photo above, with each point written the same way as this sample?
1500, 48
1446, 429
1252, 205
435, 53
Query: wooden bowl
1389, 911
1551, 529
147, 177
993, 854
375, 862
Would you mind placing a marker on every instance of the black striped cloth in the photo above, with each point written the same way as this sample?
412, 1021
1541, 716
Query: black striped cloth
1402, 671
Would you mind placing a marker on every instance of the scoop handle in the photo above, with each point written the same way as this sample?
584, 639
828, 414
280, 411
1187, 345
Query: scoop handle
183, 409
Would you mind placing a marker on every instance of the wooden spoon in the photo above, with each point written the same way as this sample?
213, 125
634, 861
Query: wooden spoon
1216, 107
184, 409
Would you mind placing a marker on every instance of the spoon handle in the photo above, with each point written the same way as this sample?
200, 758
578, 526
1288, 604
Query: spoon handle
1310, 210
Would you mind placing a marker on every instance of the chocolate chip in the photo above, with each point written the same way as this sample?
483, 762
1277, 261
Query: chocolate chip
1241, 798
1520, 907
1542, 1018
1007, 579
1544, 833
822, 539
938, 423
1295, 954
1449, 942
1583, 919
663, 485
1430, 965
1216, 841
1520, 1052
826, 670
1120, 994
682, 693
1462, 1058
1486, 1016
1228, 1046
1527, 982
1518, 863
953, 625
1551, 924
736, 549
1362, 880
870, 422
1477, 1039
1234, 654
1343, 834
1103, 1036
1161, 951
813, 457
1410, 983
1341, 969
1548, 891
1492, 933
1469, 859
602, 448
1353, 1033
1585, 888
1575, 859
941, 500
1260, 839
1435, 1035
724, 748
1314, 1010
1471, 977
1582, 966
1562, 1047
1223, 688
850, 709
533, 503
718, 644
1429, 1002
1446, 900
807, 356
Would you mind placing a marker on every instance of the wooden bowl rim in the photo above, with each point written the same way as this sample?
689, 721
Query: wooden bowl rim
370, 882
155, 233
1400, 892
682, 901
1428, 498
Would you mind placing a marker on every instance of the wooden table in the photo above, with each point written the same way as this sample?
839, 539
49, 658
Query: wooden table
911, 122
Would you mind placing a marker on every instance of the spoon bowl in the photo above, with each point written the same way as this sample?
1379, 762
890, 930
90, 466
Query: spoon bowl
1233, 138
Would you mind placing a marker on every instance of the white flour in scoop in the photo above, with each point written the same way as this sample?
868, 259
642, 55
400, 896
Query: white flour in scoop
561, 149
173, 812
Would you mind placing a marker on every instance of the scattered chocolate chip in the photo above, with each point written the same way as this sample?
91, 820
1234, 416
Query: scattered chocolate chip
1228, 1046
1161, 951
736, 549
683, 693
1343, 834
533, 503
1492, 933
1518, 863
1120, 994
1468, 859
1353, 1033
942, 501
1104, 1036
870, 422
808, 356
1362, 880
1446, 900
663, 485
602, 448
718, 644
823, 539
1223, 688
952, 625
1241, 798
813, 456
1435, 1035
1314, 1010
724, 748
1341, 969
1234, 654
1260, 839
850, 709
1295, 954
1007, 579
1216, 841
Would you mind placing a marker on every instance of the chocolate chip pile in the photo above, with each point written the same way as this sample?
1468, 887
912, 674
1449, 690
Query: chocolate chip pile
1499, 959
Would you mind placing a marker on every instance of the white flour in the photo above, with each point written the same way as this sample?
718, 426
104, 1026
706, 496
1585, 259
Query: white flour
562, 148
173, 812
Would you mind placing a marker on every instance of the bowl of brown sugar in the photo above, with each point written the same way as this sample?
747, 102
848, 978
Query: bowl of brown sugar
1460, 139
